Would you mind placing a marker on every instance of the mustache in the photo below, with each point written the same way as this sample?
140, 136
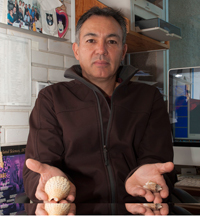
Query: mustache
101, 58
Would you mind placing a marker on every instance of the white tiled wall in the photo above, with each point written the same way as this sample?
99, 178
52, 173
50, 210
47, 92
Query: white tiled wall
49, 60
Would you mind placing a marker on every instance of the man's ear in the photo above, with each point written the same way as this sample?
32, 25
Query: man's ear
125, 47
75, 50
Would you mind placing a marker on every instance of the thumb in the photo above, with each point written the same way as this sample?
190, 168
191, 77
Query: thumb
36, 166
165, 167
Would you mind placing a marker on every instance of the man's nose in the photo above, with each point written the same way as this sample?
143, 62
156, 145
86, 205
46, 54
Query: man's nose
101, 48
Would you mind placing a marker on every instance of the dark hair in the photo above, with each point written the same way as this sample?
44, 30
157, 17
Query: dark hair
106, 12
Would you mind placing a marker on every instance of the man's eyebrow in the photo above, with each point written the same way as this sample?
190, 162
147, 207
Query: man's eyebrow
108, 36
90, 34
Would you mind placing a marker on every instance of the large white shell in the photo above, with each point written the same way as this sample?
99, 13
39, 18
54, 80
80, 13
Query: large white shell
57, 208
57, 188
152, 186
153, 206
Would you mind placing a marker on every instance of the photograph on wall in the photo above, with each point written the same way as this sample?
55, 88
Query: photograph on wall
43, 16
11, 179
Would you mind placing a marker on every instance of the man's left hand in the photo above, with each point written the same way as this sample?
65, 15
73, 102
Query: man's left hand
149, 172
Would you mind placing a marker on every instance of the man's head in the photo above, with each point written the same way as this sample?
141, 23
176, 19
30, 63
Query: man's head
105, 12
17, 164
14, 10
100, 45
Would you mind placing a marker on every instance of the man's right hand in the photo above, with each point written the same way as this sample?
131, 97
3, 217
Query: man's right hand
46, 172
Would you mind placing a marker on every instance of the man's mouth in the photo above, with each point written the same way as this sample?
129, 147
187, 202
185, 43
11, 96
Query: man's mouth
101, 63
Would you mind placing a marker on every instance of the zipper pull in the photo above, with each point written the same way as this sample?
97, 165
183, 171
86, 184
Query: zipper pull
105, 151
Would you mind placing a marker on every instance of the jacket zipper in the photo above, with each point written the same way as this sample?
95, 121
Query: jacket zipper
105, 152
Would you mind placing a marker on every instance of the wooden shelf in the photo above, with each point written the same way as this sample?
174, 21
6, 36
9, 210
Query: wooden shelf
136, 41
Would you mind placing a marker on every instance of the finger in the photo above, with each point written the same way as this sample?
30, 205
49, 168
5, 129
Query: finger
40, 209
135, 190
72, 210
165, 209
36, 166
149, 196
72, 193
165, 167
135, 208
40, 193
149, 212
157, 212
157, 198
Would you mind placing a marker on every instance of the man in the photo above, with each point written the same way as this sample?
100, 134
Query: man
36, 14
38, 25
20, 15
33, 13
16, 178
25, 10
29, 9
20, 6
15, 14
27, 18
107, 135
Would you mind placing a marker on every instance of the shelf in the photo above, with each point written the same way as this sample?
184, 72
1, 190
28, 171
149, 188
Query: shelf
6, 26
140, 43
136, 41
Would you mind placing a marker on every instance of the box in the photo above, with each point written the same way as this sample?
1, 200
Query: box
158, 29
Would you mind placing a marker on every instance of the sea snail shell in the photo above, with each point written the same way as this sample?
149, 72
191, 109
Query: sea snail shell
57, 208
152, 186
57, 188
153, 206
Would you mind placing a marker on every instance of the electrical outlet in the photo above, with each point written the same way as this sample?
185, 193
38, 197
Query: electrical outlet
188, 171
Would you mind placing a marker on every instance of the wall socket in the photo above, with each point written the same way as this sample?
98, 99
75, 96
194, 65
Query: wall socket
188, 171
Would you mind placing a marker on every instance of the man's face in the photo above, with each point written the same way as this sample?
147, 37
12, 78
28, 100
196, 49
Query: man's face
100, 50
14, 10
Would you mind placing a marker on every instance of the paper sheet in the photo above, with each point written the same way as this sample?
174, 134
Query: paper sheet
15, 70
3, 9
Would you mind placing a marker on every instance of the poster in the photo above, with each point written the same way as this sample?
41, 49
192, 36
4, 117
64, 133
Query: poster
11, 179
43, 16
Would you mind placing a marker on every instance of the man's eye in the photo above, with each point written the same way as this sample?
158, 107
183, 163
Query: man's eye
112, 42
90, 41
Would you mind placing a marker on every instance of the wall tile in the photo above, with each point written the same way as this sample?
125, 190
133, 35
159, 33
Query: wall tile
57, 75
2, 136
48, 59
69, 61
16, 135
14, 118
60, 47
39, 74
3, 30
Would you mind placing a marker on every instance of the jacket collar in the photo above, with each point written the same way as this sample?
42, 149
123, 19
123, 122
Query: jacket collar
124, 72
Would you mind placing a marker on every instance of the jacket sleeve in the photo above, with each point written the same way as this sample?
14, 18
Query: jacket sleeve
44, 141
155, 145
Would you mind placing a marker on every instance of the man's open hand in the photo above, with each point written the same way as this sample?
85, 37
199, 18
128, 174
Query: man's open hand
149, 172
46, 172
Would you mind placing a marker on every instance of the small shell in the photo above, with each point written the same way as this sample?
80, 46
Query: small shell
57, 188
152, 187
153, 206
57, 208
